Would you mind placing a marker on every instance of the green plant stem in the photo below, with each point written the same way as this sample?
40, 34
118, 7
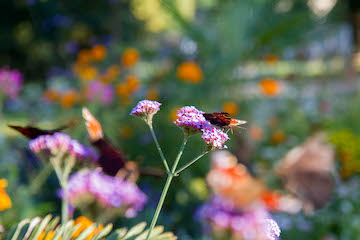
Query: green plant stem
170, 176
40, 179
159, 148
190, 163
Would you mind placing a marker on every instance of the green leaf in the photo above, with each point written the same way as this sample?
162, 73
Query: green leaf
103, 233
20, 226
84, 234
40, 228
155, 232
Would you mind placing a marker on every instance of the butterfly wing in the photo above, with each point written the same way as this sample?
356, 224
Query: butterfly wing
221, 119
32, 132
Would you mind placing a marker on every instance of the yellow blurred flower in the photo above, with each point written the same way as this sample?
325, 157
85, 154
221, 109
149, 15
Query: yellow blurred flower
5, 201
110, 74
98, 53
271, 58
199, 188
270, 87
130, 57
68, 98
278, 137
51, 95
231, 108
152, 94
189, 72
84, 224
86, 72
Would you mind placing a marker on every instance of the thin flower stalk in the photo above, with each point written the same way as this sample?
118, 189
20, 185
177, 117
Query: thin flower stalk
170, 176
159, 149
190, 163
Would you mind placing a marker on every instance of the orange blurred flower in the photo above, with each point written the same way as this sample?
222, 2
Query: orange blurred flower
128, 87
51, 95
271, 199
84, 224
84, 56
256, 133
278, 137
98, 52
111, 73
86, 72
271, 58
270, 87
152, 94
189, 72
231, 108
130, 57
5, 201
173, 113
68, 99
126, 131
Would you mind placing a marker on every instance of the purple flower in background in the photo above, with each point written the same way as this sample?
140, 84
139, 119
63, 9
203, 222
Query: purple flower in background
10, 82
61, 143
191, 120
109, 191
214, 137
101, 92
146, 109
251, 223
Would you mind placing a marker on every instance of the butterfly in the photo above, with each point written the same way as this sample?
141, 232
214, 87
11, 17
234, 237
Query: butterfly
223, 120
112, 160
33, 132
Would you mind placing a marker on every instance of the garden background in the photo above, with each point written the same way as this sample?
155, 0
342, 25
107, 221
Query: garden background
287, 67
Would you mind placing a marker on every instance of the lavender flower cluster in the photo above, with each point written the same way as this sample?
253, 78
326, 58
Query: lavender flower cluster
61, 143
109, 191
98, 91
252, 223
192, 121
146, 109
10, 82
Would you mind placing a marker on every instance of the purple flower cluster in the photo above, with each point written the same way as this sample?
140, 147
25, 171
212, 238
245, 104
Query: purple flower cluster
252, 223
215, 137
10, 82
192, 121
61, 143
107, 190
100, 92
146, 109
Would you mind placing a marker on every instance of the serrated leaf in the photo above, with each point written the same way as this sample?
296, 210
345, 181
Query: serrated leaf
34, 224
51, 226
59, 233
84, 234
121, 232
155, 232
103, 233
41, 227
137, 229
68, 230
19, 228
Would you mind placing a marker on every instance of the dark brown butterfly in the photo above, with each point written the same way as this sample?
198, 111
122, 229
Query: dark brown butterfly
307, 171
33, 132
223, 120
112, 161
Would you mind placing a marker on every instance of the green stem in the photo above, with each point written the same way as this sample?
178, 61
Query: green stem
166, 187
190, 163
39, 180
159, 148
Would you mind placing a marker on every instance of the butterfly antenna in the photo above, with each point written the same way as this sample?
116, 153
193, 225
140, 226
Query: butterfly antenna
93, 126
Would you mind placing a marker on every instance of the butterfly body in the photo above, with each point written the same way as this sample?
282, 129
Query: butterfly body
223, 120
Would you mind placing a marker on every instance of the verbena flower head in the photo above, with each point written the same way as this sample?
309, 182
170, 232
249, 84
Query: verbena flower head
114, 192
251, 223
61, 143
191, 120
146, 109
215, 138
273, 231
10, 82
